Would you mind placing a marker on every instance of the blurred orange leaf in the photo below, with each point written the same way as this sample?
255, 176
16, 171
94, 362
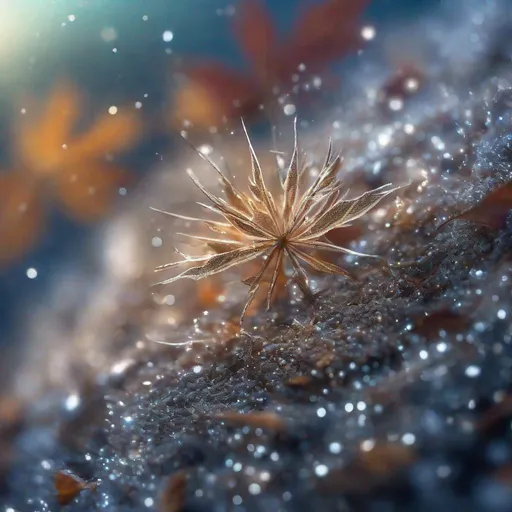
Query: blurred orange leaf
87, 191
55, 163
323, 33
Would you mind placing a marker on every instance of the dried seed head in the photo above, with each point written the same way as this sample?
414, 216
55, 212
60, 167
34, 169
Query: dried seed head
260, 226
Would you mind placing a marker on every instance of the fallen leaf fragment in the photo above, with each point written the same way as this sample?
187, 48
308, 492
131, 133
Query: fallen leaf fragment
492, 211
258, 419
69, 486
173, 496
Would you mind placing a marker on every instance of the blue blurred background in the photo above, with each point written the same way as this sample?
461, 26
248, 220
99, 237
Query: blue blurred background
115, 51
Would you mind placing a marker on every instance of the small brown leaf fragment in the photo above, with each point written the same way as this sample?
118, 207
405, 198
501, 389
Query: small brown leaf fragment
492, 211
257, 419
299, 381
324, 360
174, 494
368, 470
69, 486
444, 320
386, 458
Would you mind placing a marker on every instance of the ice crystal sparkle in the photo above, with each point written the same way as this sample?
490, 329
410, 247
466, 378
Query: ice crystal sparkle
261, 226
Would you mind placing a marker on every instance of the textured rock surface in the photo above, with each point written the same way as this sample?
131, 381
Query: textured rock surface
397, 398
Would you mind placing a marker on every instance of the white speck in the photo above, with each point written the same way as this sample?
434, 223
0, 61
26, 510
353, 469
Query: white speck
289, 109
128, 419
72, 402
361, 406
237, 500
442, 347
167, 36
156, 241
317, 82
396, 104
145, 17
367, 445
321, 470
349, 407
473, 371
409, 128
237, 467
121, 366
502, 314
438, 143
383, 139
423, 354
112, 110
254, 489
148, 502
138, 104
321, 412
412, 84
71, 17
335, 448
46, 465
108, 34
408, 439
205, 149
31, 273
197, 369
170, 300
114, 50
122, 191
368, 32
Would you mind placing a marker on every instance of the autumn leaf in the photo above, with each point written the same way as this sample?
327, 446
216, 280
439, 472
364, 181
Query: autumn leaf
492, 211
322, 34
53, 163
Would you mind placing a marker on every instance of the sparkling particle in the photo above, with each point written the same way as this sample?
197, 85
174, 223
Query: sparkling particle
368, 32
335, 448
289, 109
31, 273
349, 407
72, 402
167, 36
169, 300
367, 445
149, 502
156, 241
502, 314
254, 489
442, 347
112, 110
473, 371
237, 500
145, 17
321, 412
408, 439
71, 17
321, 470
